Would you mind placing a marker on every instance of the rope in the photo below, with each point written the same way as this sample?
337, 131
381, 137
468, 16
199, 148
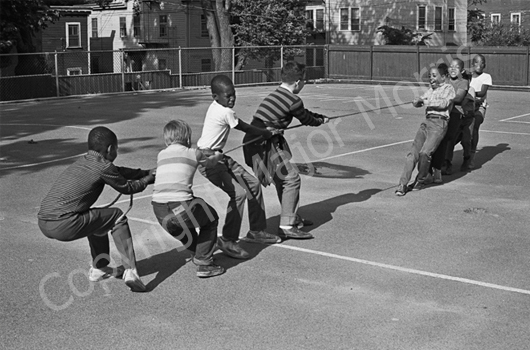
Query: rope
104, 206
330, 118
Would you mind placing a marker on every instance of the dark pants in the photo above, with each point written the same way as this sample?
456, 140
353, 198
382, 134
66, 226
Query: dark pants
441, 154
480, 114
180, 219
240, 186
465, 135
428, 137
95, 224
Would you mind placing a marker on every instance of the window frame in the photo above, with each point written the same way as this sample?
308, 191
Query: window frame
512, 15
70, 70
348, 21
493, 21
94, 25
123, 27
67, 27
419, 25
355, 21
206, 65
162, 26
204, 27
137, 26
438, 19
451, 19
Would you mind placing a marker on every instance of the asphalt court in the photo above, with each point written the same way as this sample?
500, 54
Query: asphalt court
443, 268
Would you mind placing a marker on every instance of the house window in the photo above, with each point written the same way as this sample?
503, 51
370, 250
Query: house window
350, 19
162, 64
136, 26
495, 18
123, 27
310, 24
515, 18
355, 19
94, 27
206, 65
163, 25
320, 20
74, 71
438, 24
422, 17
204, 27
73, 34
451, 19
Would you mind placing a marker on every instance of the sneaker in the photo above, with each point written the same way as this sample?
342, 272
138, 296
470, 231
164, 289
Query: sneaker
204, 271
295, 233
304, 222
130, 276
401, 190
429, 179
448, 170
232, 249
261, 237
419, 185
96, 275
465, 165
438, 176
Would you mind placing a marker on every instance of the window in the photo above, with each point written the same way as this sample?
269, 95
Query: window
73, 34
206, 65
495, 18
350, 19
422, 17
204, 27
162, 64
310, 24
163, 25
136, 26
315, 19
123, 27
320, 20
438, 24
94, 27
515, 18
74, 71
451, 19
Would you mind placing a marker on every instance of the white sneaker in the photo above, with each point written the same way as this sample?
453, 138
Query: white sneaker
130, 276
96, 275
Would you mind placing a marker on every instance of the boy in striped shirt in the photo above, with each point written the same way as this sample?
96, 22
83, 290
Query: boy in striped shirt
176, 208
277, 111
65, 213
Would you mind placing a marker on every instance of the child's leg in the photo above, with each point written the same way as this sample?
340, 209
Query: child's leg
435, 132
288, 183
467, 132
453, 128
412, 157
480, 114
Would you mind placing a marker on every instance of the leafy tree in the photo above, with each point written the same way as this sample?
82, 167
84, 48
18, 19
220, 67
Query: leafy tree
403, 36
268, 23
217, 15
505, 35
475, 21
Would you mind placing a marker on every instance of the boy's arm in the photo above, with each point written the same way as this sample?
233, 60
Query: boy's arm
113, 177
305, 116
483, 91
210, 161
253, 130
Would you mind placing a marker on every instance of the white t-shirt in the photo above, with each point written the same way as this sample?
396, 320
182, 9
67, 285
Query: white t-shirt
476, 84
217, 124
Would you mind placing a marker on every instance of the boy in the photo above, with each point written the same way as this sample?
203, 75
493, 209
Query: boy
228, 175
480, 81
277, 110
176, 208
438, 101
65, 213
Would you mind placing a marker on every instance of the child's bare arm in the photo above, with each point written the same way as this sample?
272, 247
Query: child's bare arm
253, 130
208, 162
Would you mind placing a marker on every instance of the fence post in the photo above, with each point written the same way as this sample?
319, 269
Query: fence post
180, 68
418, 62
234, 64
528, 66
122, 58
58, 91
371, 62
326, 75
281, 56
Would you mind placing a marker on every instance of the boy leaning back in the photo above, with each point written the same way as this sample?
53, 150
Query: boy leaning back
270, 158
438, 101
65, 213
228, 175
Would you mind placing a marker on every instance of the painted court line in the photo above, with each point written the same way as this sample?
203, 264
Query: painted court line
363, 150
517, 116
505, 132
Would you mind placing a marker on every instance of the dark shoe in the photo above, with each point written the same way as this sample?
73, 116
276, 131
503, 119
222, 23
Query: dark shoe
133, 281
448, 170
204, 271
261, 237
401, 190
295, 233
304, 222
419, 185
232, 249
472, 161
465, 165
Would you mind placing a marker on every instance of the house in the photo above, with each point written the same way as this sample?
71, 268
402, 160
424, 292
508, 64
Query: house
355, 22
507, 12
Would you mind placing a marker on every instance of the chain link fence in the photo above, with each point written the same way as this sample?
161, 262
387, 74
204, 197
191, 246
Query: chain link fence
48, 74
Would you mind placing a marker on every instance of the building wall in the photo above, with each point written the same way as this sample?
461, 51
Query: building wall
397, 13
505, 8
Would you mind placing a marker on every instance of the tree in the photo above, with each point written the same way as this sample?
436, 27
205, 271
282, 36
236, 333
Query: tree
475, 21
268, 23
403, 36
218, 23
21, 19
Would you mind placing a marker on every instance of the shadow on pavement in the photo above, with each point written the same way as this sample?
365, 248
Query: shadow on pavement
330, 171
163, 264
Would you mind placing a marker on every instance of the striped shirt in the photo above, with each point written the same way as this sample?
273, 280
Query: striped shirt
176, 166
80, 185
278, 109
441, 97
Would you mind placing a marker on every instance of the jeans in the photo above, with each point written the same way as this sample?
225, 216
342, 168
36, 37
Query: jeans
287, 182
95, 224
444, 151
428, 137
180, 219
240, 186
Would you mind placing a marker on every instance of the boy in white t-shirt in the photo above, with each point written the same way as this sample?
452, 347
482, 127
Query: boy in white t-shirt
231, 177
480, 82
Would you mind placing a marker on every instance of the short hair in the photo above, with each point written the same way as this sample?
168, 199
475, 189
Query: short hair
443, 69
219, 82
177, 131
481, 56
292, 71
460, 62
100, 138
